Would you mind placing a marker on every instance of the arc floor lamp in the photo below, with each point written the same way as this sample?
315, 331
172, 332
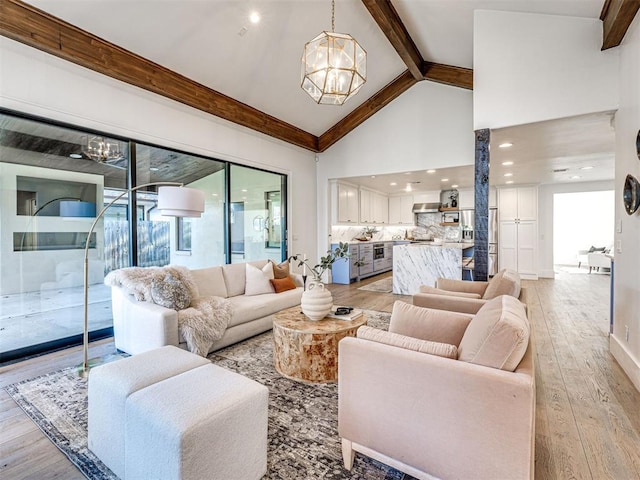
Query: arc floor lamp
174, 200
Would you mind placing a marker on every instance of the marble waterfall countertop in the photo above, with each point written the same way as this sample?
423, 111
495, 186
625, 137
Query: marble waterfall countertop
419, 264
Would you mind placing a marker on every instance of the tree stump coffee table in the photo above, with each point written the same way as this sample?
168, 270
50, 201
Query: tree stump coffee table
307, 351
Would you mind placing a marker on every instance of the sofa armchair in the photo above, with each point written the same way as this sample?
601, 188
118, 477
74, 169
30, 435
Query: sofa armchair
141, 325
468, 297
434, 409
598, 260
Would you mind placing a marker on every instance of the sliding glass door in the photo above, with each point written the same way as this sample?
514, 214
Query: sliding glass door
55, 180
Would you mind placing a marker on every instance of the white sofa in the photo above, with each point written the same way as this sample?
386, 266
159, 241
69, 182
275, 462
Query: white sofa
139, 326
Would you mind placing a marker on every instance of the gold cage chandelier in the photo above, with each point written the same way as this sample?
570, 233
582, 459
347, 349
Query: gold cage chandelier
334, 66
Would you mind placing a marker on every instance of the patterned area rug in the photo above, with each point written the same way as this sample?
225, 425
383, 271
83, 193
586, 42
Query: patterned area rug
303, 419
383, 286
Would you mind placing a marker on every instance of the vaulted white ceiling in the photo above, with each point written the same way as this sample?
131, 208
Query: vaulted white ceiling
214, 43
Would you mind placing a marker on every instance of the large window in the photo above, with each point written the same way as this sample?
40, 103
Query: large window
257, 215
54, 181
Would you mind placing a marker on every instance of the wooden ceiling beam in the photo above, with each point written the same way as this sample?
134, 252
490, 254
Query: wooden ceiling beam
387, 18
31, 26
449, 75
616, 17
393, 90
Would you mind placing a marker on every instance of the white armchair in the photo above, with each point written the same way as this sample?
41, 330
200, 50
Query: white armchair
598, 260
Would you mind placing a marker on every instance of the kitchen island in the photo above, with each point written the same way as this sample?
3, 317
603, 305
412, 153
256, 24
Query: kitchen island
419, 264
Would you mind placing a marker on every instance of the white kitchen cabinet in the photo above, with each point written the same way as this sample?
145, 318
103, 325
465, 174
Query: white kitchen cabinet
381, 209
466, 198
365, 206
374, 207
518, 203
400, 210
346, 200
518, 230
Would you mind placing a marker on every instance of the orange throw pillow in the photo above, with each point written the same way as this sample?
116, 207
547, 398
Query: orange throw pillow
282, 284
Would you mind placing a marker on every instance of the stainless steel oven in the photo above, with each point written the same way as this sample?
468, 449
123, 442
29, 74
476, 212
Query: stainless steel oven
378, 251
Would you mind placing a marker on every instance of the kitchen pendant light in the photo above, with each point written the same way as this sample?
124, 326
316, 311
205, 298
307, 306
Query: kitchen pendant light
334, 66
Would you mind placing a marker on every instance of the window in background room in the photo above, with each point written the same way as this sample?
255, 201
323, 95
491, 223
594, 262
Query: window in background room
184, 234
581, 220
260, 233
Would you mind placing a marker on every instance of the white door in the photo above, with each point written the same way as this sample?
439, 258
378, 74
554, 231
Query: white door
527, 258
508, 246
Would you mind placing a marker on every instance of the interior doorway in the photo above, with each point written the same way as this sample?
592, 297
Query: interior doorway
582, 221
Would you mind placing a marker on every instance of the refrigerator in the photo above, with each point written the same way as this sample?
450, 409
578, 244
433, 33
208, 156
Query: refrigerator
467, 223
492, 266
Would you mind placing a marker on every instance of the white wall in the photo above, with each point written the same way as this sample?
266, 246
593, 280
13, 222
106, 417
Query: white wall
627, 261
40, 84
530, 67
545, 219
428, 126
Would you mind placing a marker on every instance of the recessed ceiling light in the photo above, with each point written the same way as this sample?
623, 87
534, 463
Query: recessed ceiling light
586, 168
431, 171
244, 189
373, 176
254, 17
508, 174
444, 180
506, 164
574, 177
407, 173
214, 194
509, 181
506, 145
393, 184
454, 186
408, 188
154, 169
76, 155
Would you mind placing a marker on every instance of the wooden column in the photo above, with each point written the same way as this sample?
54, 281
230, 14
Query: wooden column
481, 206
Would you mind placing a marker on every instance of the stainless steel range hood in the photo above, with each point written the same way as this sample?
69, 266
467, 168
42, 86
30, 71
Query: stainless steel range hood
425, 207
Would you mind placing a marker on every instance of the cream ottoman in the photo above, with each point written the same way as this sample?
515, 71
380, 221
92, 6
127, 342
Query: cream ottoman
111, 384
204, 423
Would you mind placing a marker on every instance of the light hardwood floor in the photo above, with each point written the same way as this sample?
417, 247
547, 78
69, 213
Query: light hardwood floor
587, 416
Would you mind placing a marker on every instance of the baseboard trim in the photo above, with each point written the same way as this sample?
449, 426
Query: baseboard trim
547, 274
626, 360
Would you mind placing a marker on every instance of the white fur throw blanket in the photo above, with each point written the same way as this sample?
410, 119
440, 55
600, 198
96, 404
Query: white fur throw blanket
200, 324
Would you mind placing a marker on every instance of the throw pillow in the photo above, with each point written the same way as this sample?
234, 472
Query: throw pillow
428, 324
257, 280
498, 336
169, 292
281, 270
408, 343
505, 282
283, 284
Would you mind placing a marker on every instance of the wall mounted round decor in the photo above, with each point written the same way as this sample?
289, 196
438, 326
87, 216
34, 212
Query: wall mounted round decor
631, 194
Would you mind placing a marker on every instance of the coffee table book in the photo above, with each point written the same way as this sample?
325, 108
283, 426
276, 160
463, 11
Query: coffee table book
355, 313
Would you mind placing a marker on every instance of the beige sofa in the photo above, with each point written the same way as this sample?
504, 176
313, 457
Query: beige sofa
139, 326
467, 297
442, 394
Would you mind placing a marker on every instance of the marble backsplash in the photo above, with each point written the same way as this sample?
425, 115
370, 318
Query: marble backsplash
428, 227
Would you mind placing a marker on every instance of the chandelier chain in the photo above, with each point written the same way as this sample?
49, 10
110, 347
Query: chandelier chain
333, 16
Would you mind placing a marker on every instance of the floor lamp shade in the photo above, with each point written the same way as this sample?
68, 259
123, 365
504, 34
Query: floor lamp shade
180, 201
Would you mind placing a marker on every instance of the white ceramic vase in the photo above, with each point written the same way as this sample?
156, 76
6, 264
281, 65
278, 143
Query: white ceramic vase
316, 301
